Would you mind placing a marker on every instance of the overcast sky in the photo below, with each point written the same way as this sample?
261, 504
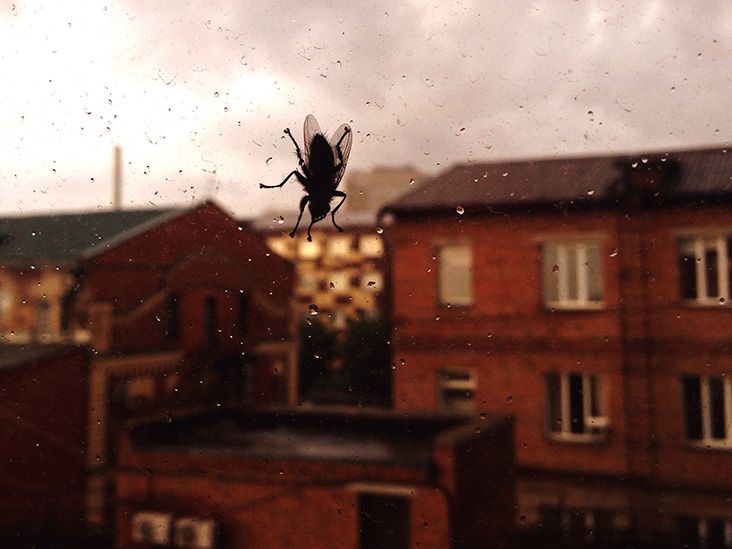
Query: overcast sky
198, 93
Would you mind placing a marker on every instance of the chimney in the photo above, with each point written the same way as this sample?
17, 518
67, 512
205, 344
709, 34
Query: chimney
117, 179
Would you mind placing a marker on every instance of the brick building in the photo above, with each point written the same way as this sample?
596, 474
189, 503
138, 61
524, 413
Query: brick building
346, 479
43, 411
182, 307
590, 299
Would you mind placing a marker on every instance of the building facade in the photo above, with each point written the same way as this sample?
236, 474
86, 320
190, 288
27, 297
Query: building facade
314, 479
588, 298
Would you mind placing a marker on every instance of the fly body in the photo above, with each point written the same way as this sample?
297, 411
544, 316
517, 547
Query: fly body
323, 163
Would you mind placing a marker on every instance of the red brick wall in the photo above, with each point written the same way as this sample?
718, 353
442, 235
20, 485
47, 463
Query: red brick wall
640, 343
201, 253
42, 440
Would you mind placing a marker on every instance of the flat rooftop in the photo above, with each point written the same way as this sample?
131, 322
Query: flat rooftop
382, 437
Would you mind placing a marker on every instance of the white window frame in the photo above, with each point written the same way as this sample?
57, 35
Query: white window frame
707, 440
446, 296
583, 300
702, 525
466, 383
600, 423
699, 244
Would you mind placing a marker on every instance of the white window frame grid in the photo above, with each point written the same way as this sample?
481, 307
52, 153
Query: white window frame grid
601, 423
707, 440
583, 300
702, 525
699, 245
468, 383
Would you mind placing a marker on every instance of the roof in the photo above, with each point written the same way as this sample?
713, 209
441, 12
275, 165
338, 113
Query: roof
569, 180
66, 237
13, 355
284, 221
386, 437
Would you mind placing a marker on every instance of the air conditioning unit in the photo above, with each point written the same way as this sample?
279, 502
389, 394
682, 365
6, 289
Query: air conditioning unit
151, 528
199, 533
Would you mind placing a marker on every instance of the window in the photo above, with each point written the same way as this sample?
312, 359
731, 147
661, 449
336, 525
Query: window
371, 246
308, 250
705, 532
172, 314
383, 521
43, 318
340, 282
576, 525
339, 246
455, 275
372, 280
308, 281
704, 269
243, 312
572, 275
708, 410
457, 390
575, 407
212, 322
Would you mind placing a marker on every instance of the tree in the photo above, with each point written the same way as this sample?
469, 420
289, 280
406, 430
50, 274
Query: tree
317, 350
366, 365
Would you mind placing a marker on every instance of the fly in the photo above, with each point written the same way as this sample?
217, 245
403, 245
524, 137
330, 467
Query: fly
322, 163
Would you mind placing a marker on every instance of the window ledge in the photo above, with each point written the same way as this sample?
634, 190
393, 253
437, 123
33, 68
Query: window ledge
581, 439
709, 445
706, 304
574, 307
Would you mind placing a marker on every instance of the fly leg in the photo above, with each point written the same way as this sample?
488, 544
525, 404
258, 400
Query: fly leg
297, 174
303, 203
297, 148
346, 131
338, 193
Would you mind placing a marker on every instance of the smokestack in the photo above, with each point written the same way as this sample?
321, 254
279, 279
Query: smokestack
117, 179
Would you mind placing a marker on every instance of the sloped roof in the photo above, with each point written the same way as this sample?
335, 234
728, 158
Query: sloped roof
13, 355
284, 221
66, 237
558, 180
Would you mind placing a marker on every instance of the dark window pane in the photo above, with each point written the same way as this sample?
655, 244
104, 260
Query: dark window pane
687, 275
715, 533
211, 319
688, 532
243, 312
603, 529
172, 313
692, 407
555, 403
710, 265
577, 525
576, 404
716, 406
384, 522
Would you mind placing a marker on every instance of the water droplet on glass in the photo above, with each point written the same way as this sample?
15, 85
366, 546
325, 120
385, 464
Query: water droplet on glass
590, 192
411, 181
437, 317
644, 160
379, 230
509, 398
371, 283
483, 416
721, 301
555, 269
216, 94
280, 220
634, 165
268, 161
316, 356
402, 362
614, 252
460, 210
504, 174
313, 309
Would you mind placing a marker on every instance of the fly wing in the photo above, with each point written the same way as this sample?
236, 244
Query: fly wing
345, 136
310, 129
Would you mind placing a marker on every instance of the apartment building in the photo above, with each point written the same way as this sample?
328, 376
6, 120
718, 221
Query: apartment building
590, 299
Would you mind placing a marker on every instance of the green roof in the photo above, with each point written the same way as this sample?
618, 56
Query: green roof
63, 238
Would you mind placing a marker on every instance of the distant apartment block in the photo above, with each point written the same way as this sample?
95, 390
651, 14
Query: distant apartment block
590, 299
181, 307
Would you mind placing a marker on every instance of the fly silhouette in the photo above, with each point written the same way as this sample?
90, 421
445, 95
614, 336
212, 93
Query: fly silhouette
323, 163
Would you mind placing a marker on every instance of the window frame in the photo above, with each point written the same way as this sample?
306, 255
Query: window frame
595, 427
707, 439
560, 248
465, 380
698, 242
445, 301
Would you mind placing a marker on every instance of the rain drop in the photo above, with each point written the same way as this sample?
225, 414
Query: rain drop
460, 210
614, 252
280, 220
721, 301
371, 283
504, 174
411, 181
379, 230
313, 309
555, 269
634, 165
268, 161
590, 192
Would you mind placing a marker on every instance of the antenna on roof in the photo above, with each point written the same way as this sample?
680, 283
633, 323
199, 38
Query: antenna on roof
117, 179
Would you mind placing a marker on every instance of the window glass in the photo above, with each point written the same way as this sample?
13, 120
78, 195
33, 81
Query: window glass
455, 275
